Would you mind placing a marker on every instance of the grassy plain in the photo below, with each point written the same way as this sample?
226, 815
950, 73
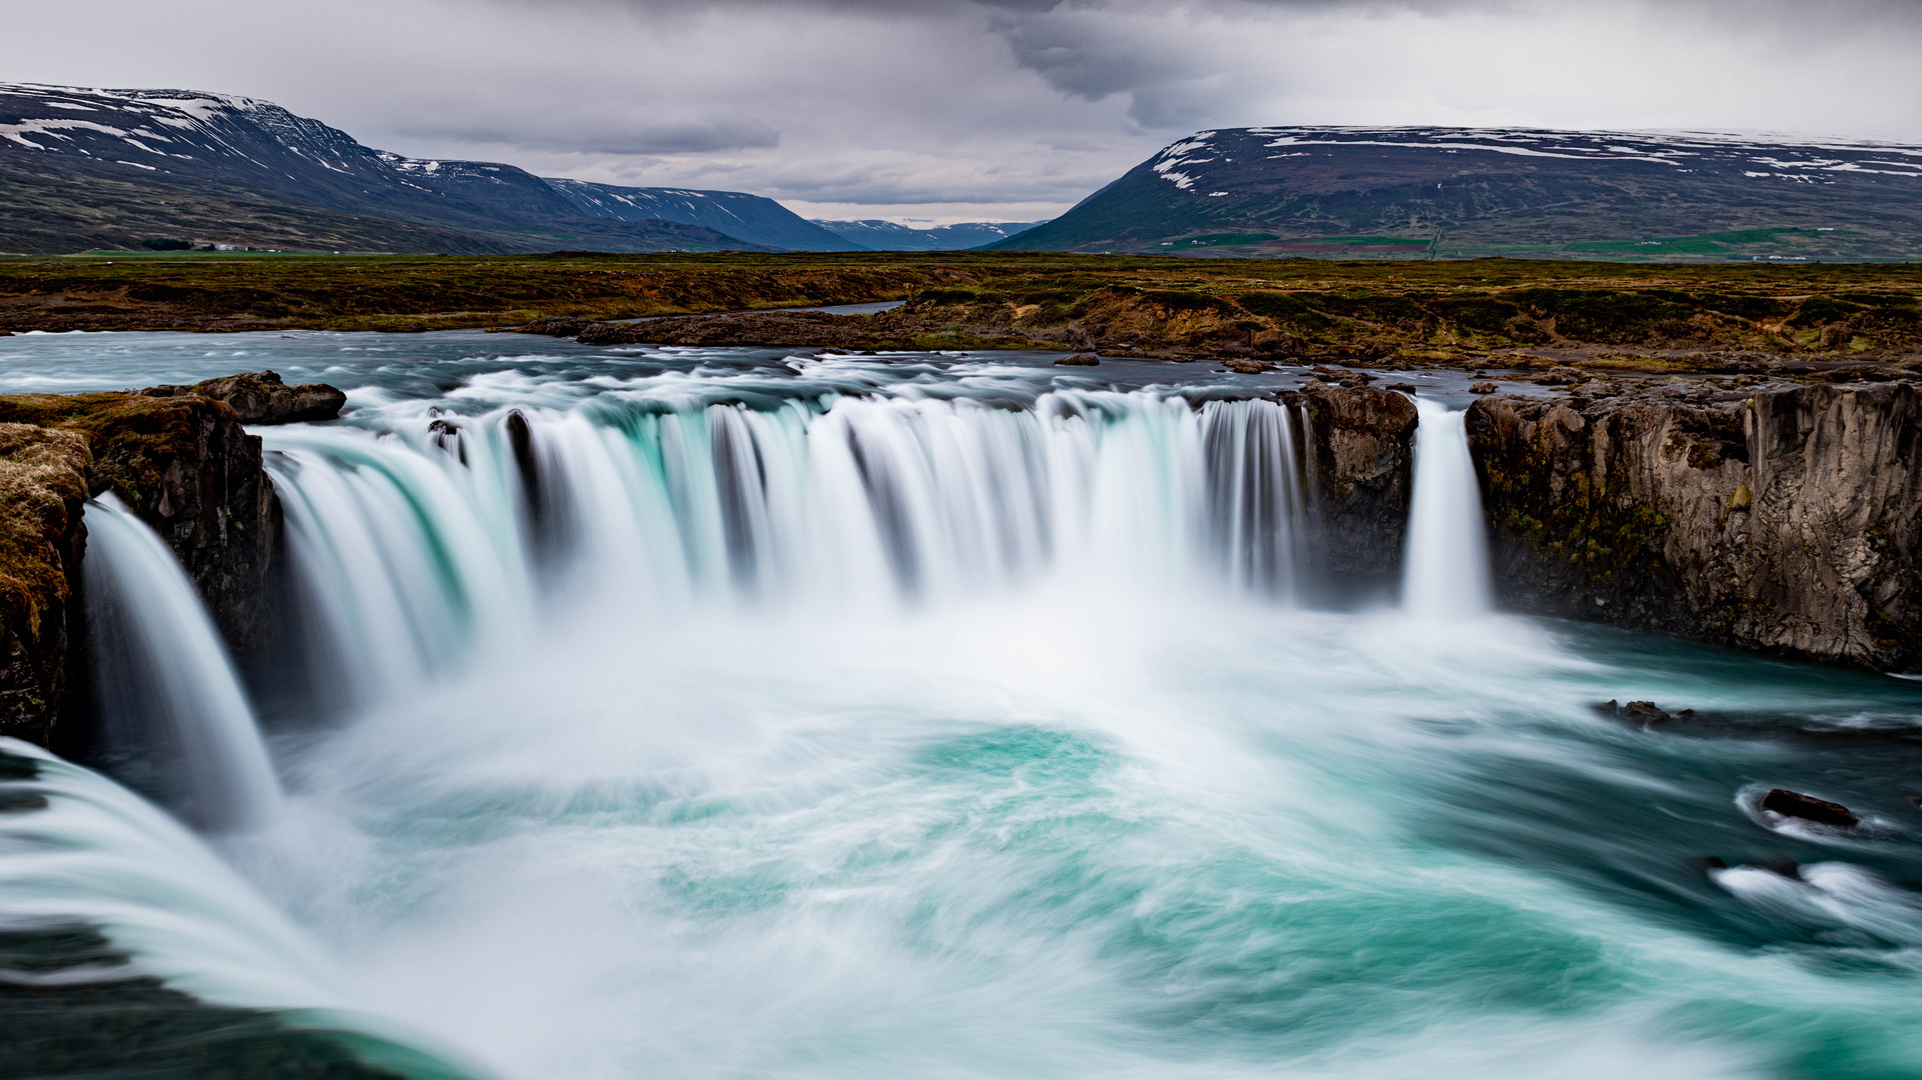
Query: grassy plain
1418, 310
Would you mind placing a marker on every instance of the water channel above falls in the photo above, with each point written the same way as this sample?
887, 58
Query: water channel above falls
955, 716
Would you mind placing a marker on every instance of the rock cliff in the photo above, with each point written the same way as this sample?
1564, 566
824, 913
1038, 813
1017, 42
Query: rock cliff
1787, 521
189, 469
184, 463
1358, 466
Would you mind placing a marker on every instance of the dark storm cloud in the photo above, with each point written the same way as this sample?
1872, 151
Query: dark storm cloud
954, 108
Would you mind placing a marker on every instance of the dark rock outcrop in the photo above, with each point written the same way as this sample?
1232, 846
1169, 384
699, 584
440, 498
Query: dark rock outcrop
43, 482
261, 398
1080, 359
1359, 465
1807, 807
557, 326
1789, 521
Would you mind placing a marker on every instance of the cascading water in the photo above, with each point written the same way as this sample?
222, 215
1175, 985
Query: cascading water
1445, 564
175, 721
823, 717
412, 544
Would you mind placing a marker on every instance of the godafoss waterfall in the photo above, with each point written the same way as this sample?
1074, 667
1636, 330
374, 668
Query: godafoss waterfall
763, 713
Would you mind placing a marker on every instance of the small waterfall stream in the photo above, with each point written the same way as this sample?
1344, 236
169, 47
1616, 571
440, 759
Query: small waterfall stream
1445, 565
175, 721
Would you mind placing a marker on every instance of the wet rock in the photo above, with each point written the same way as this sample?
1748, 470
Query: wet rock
1359, 466
261, 398
1807, 807
1483, 387
1645, 712
447, 435
1080, 359
1245, 367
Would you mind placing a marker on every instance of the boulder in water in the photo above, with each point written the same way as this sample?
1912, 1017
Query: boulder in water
1483, 387
1080, 359
261, 398
1807, 807
1645, 712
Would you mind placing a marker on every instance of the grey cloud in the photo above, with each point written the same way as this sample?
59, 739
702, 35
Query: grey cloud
918, 103
618, 139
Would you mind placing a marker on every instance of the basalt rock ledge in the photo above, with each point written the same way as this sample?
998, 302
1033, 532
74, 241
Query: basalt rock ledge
1787, 521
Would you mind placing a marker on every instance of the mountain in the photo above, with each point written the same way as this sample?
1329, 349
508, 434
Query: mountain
1472, 191
887, 236
83, 169
750, 217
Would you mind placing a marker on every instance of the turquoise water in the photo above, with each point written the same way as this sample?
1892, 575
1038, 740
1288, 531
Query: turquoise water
1069, 819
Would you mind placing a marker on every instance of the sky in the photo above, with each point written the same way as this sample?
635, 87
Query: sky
936, 111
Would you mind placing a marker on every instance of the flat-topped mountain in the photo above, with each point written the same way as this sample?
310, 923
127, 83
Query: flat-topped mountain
90, 168
1405, 191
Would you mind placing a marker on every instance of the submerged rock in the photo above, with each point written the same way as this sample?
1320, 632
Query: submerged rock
1807, 807
261, 398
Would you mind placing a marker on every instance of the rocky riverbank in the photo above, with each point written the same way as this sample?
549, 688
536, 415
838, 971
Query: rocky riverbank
180, 458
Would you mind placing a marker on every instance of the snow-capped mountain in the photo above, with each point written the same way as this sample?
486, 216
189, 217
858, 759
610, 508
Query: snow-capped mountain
876, 235
83, 168
1504, 191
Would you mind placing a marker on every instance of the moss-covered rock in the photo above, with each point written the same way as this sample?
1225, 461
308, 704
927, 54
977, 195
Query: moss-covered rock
43, 482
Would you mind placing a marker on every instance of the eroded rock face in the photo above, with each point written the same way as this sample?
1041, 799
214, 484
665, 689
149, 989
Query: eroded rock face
43, 482
189, 469
1789, 521
261, 398
1358, 443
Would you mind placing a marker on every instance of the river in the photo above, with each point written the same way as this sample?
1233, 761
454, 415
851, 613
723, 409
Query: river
741, 713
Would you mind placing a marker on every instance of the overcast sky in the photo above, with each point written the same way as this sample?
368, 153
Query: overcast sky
955, 110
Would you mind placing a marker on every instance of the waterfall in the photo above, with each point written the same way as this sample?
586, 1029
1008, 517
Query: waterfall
440, 536
174, 720
1445, 573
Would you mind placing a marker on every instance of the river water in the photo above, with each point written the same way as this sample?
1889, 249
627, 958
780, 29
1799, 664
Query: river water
743, 713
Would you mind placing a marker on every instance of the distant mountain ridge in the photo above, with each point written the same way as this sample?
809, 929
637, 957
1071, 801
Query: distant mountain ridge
875, 235
750, 217
89, 168
1397, 191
